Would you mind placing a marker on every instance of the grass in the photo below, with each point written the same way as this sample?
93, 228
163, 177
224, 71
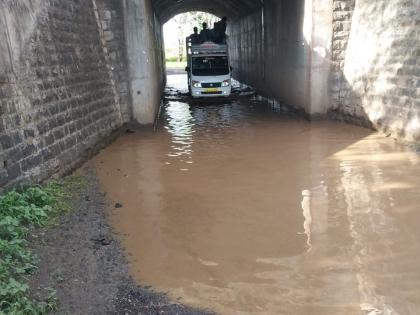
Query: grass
21, 212
176, 65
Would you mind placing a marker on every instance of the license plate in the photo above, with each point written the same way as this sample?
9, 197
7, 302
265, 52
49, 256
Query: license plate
211, 90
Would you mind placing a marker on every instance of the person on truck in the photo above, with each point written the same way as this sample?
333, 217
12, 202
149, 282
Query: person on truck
219, 31
195, 37
217, 38
223, 27
205, 34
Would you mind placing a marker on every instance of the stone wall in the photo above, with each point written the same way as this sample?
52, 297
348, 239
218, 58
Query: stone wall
57, 100
377, 65
342, 18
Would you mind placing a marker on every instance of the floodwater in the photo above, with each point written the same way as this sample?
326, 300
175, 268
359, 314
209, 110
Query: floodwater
241, 208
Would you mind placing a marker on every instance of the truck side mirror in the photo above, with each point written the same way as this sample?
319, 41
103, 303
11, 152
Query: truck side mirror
187, 69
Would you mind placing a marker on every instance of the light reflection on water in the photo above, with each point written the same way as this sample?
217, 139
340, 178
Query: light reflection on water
180, 124
244, 210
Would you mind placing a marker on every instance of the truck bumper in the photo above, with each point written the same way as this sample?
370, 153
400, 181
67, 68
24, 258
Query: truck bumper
213, 92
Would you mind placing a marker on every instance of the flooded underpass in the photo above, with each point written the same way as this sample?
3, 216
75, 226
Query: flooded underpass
240, 207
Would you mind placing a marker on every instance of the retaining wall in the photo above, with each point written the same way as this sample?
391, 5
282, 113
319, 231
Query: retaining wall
377, 58
57, 96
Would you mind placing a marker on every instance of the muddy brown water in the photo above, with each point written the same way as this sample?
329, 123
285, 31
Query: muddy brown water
241, 208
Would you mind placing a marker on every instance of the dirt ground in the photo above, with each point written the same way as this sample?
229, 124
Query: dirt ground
83, 260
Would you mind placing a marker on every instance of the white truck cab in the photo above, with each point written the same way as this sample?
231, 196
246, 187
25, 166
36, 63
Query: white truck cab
209, 71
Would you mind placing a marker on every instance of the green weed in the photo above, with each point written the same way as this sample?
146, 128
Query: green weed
20, 212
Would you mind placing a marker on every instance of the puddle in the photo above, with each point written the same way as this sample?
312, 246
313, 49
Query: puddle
243, 209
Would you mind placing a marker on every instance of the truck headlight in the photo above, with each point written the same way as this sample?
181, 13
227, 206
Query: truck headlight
226, 83
196, 84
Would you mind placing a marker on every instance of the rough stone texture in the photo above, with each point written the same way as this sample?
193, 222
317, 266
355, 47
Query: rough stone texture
344, 102
377, 64
56, 96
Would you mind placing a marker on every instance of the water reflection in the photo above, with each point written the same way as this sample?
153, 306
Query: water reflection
306, 207
242, 209
375, 233
180, 124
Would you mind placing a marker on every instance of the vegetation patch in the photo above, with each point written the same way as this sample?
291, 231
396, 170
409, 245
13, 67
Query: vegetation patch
20, 213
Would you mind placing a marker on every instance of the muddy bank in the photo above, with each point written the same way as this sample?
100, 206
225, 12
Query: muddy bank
84, 262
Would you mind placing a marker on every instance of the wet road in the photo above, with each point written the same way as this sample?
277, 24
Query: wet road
243, 209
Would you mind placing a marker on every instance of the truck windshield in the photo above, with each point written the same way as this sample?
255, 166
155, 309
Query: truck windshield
209, 66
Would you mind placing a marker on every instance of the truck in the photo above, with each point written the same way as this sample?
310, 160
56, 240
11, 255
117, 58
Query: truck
208, 68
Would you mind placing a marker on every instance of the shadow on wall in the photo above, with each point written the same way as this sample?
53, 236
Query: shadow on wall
283, 51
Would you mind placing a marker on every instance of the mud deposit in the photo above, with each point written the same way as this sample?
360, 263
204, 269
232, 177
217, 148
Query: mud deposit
83, 261
242, 208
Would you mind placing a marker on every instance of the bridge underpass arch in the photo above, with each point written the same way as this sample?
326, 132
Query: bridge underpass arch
166, 9
356, 60
269, 46
323, 57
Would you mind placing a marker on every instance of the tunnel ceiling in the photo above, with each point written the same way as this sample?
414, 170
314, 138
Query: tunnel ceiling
233, 9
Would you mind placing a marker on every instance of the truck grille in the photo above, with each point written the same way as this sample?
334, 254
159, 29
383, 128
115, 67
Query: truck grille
211, 85
212, 93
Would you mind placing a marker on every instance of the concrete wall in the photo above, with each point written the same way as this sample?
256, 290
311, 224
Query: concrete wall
57, 98
111, 17
352, 60
377, 57
145, 58
284, 52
